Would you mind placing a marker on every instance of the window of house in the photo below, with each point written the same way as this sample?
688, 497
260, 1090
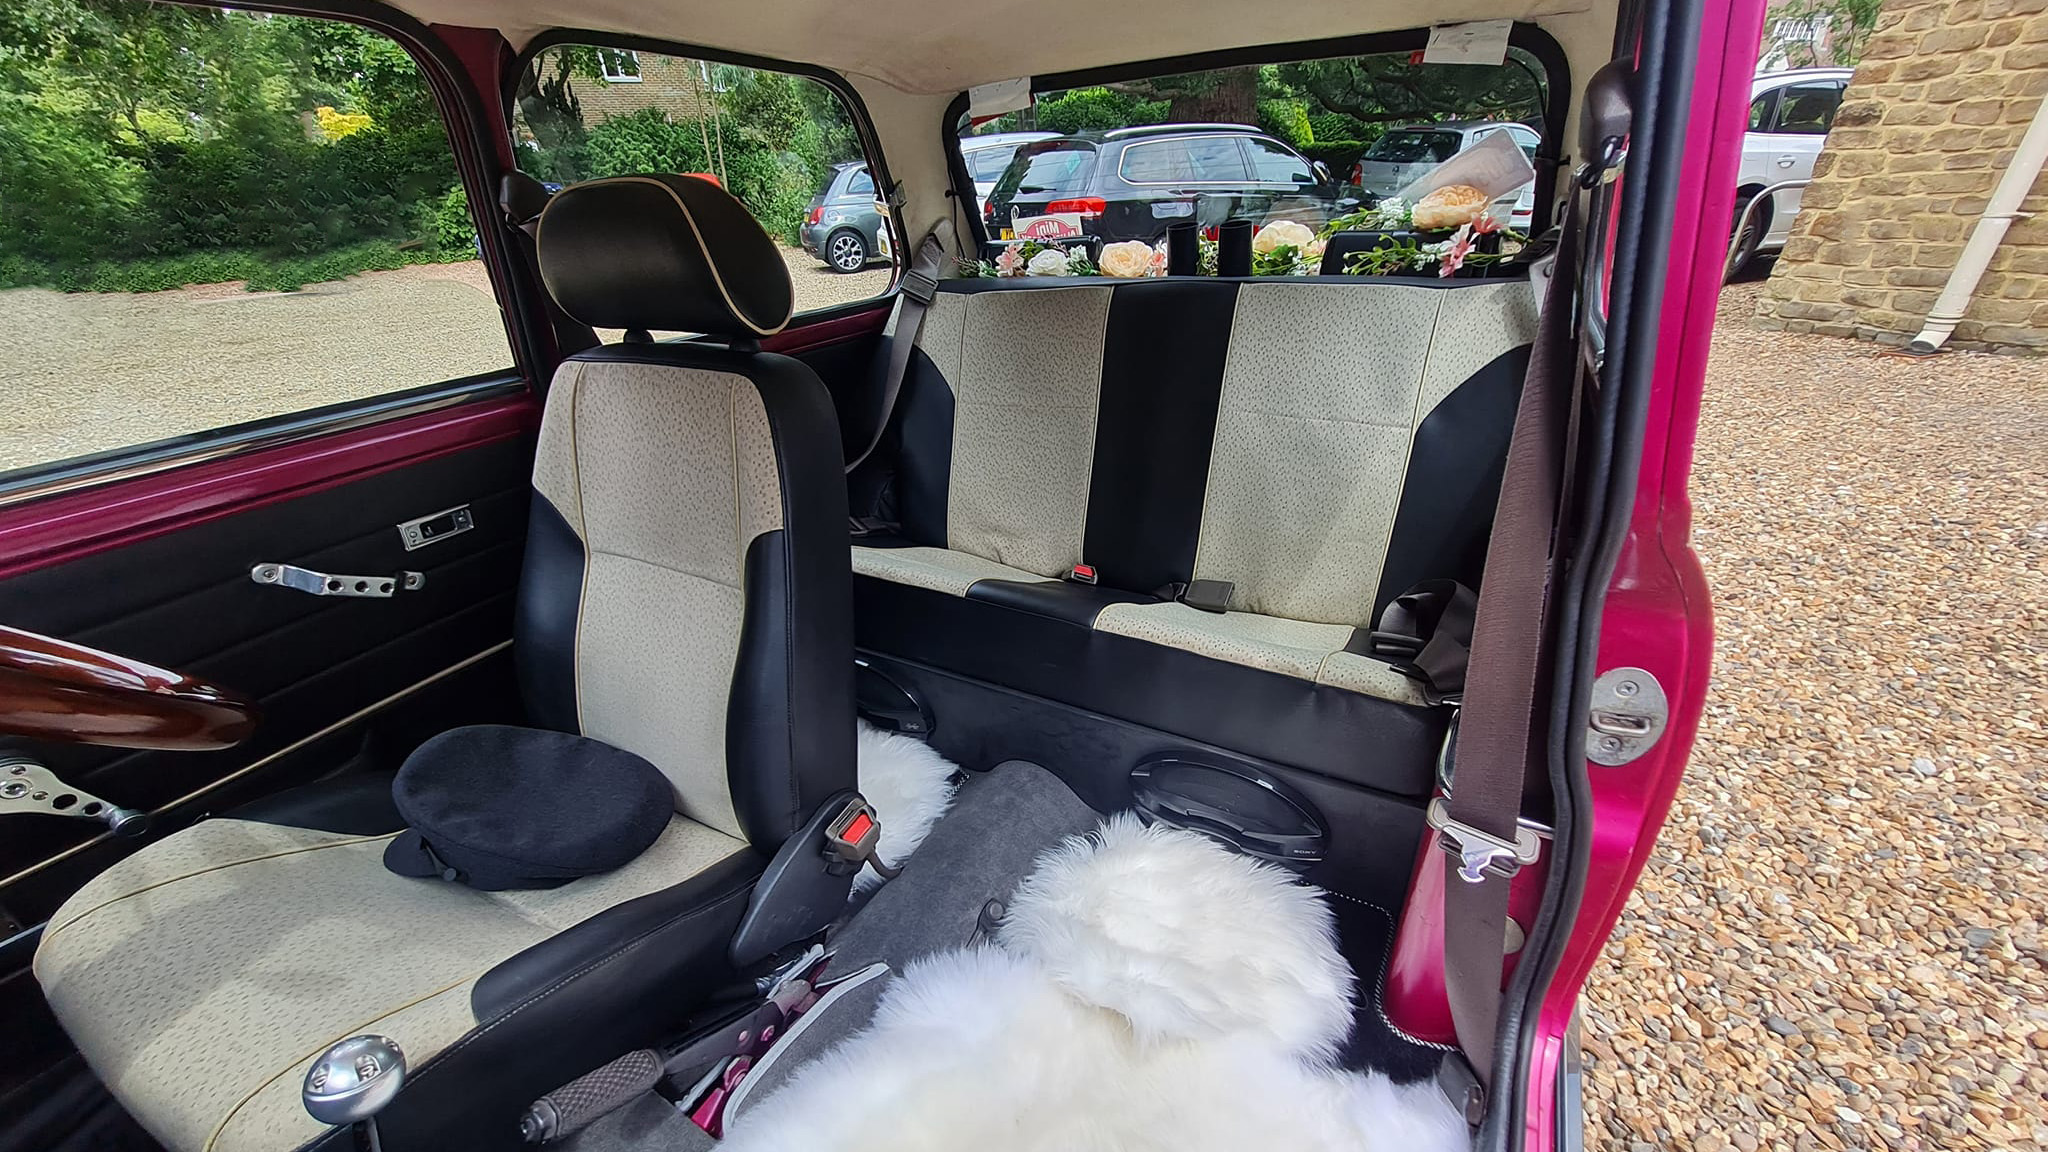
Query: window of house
214, 218
776, 141
618, 65
1808, 109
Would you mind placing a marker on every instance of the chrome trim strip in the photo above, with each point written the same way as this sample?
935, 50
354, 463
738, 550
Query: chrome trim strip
352, 718
58, 477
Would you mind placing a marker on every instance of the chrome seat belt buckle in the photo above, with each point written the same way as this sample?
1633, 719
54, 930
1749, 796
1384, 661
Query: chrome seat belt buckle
1480, 854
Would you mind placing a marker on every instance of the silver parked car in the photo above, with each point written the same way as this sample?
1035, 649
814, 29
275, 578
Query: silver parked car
1790, 113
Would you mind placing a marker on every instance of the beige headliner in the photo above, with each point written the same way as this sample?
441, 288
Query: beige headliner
943, 46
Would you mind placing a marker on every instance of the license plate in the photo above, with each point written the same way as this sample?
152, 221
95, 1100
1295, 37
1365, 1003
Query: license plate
1009, 233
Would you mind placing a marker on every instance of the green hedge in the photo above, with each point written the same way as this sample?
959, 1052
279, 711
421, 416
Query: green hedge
1340, 155
263, 271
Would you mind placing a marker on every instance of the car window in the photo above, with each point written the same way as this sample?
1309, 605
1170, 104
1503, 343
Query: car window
1272, 164
774, 140
1190, 159
1409, 147
1526, 139
185, 251
1048, 166
987, 164
1760, 110
1808, 109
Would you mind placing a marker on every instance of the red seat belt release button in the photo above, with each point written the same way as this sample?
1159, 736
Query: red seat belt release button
1082, 574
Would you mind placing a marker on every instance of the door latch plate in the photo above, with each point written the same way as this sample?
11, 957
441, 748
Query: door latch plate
1628, 713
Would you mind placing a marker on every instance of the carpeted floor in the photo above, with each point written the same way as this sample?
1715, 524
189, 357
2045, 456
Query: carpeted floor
977, 852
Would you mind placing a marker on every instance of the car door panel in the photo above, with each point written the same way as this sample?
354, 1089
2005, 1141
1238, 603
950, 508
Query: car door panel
184, 599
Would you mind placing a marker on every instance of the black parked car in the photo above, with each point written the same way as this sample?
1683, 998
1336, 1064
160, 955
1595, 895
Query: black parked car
1130, 183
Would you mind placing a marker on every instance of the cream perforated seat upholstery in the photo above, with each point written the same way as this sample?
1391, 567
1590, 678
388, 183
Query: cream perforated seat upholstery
684, 596
1319, 445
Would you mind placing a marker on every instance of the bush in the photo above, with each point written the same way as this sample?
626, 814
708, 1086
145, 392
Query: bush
1286, 120
643, 141
1339, 155
66, 191
446, 222
1097, 109
1336, 126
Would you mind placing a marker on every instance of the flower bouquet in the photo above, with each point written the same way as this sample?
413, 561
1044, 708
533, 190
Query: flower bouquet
1128, 260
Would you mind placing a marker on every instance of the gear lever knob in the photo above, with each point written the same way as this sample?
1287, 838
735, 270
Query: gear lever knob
351, 1082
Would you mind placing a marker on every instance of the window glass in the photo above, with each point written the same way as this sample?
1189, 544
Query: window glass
987, 164
1126, 161
210, 217
1808, 109
1408, 147
773, 140
1760, 111
1276, 165
1052, 166
618, 66
1196, 159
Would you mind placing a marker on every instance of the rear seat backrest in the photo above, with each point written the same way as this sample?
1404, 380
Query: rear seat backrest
1025, 374
1325, 391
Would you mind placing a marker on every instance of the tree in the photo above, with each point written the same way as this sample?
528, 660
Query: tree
1843, 26
1388, 89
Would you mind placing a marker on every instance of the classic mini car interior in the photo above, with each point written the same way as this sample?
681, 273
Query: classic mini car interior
1006, 711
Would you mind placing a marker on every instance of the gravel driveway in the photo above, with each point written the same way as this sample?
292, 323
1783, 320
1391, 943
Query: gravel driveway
1839, 941
86, 372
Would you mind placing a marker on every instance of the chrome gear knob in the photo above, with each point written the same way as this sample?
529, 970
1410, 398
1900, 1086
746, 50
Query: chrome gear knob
351, 1082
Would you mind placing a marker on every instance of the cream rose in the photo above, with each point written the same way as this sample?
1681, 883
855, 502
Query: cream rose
1281, 234
1127, 260
1051, 262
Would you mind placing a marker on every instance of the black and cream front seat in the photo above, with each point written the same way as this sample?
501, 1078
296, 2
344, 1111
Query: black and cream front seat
686, 596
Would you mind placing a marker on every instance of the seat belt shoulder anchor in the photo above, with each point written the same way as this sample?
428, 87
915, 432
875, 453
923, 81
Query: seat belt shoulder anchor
1480, 853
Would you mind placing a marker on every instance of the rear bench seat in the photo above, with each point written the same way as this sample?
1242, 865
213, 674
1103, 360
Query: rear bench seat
1322, 445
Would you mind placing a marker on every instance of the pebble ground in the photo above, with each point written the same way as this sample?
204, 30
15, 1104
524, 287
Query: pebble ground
1839, 943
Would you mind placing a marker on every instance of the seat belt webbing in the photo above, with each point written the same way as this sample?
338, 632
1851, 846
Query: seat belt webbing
914, 294
1498, 740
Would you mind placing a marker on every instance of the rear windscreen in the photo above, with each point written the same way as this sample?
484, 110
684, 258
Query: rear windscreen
1050, 166
1413, 147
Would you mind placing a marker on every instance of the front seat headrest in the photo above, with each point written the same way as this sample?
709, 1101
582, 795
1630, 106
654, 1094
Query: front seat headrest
674, 253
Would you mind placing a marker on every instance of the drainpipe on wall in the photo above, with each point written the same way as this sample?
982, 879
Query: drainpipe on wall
1999, 213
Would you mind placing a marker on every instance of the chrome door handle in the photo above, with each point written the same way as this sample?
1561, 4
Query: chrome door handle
325, 584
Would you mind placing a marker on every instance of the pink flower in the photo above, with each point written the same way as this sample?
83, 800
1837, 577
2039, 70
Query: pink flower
1484, 223
1009, 262
1158, 264
1454, 257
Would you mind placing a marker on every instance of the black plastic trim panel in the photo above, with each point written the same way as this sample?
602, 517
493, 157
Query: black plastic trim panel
1341, 734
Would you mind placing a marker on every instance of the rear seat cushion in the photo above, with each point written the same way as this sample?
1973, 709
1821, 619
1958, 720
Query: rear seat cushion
1290, 647
939, 569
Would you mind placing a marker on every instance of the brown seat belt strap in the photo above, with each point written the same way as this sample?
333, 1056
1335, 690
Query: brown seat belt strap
1499, 740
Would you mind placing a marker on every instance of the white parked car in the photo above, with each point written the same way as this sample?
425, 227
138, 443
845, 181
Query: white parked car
988, 155
1790, 113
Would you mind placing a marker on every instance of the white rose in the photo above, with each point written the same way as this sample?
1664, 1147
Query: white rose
1051, 262
1281, 234
1127, 260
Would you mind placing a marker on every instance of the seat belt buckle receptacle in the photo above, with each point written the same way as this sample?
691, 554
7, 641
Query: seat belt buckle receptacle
851, 839
1479, 853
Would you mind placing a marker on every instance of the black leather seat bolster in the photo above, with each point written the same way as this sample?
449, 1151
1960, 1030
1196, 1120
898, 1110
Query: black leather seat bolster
1064, 600
1374, 743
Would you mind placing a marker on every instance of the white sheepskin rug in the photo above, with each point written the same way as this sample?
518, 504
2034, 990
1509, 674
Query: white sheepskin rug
1148, 989
908, 785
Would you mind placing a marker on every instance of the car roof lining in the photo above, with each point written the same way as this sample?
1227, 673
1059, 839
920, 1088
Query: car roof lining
953, 48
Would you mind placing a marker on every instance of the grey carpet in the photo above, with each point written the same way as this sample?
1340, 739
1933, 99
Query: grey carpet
980, 850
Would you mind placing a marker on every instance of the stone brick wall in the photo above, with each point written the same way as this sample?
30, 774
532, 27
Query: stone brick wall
1937, 107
